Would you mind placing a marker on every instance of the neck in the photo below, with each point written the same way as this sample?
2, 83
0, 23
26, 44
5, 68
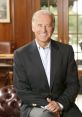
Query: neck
43, 44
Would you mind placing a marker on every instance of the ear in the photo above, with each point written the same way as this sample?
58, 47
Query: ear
33, 28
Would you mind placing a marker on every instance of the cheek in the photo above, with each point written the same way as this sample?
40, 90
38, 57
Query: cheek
50, 33
35, 29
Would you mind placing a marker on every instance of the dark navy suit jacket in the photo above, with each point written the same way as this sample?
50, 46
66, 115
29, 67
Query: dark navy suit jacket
31, 82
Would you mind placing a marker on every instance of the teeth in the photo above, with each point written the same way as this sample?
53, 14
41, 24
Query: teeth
43, 34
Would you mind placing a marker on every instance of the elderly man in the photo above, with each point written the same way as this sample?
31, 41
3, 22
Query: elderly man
45, 73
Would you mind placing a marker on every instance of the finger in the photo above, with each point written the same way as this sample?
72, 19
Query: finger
48, 99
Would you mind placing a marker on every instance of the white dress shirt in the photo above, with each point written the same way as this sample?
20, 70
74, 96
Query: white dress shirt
45, 54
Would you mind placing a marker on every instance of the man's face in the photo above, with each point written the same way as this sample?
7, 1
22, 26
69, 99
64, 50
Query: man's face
43, 28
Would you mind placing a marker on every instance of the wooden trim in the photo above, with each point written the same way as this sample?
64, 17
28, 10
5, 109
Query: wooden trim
65, 19
60, 20
80, 73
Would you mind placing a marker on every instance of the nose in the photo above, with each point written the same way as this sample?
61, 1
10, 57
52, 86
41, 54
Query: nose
44, 28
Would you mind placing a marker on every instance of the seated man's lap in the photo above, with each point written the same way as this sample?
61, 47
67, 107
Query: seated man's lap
40, 112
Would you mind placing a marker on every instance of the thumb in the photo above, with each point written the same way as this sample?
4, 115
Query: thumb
48, 99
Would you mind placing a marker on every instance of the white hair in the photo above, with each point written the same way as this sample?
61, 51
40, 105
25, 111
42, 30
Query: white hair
39, 12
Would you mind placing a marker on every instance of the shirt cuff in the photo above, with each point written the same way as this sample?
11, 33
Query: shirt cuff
61, 106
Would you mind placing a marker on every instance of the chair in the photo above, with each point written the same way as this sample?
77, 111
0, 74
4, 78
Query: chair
9, 102
5, 48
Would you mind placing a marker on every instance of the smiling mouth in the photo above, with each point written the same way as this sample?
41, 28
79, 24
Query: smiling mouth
43, 34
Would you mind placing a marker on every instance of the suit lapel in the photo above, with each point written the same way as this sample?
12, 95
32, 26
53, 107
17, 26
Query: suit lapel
55, 59
37, 60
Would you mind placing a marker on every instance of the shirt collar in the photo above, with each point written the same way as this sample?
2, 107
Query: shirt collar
48, 45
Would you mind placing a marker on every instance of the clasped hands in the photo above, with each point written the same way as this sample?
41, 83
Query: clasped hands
53, 106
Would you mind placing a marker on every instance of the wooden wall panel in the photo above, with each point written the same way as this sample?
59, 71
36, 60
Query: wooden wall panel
21, 19
6, 29
18, 31
5, 32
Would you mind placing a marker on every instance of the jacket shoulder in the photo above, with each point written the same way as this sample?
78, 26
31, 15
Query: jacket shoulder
25, 48
61, 45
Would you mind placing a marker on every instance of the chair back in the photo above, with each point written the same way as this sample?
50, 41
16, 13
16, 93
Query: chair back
5, 47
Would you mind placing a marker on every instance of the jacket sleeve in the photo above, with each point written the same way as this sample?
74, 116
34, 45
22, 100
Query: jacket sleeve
72, 82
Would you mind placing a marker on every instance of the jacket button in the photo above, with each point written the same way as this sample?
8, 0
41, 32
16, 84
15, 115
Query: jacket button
34, 105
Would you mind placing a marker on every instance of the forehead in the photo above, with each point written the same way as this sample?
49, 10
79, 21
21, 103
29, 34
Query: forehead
43, 18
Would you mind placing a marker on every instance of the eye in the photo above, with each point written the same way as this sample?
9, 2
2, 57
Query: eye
39, 25
48, 26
